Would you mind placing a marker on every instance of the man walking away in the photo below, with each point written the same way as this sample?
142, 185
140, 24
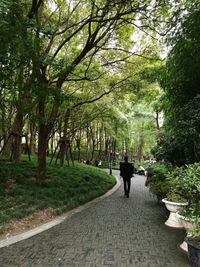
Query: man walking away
126, 172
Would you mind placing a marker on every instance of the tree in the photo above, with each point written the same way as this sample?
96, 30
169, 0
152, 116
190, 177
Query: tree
15, 70
181, 83
65, 45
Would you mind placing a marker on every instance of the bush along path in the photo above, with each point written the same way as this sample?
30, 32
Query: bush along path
114, 232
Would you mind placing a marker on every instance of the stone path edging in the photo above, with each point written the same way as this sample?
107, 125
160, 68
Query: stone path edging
14, 239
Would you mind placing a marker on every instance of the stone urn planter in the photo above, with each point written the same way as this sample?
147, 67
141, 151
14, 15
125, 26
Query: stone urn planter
173, 207
187, 224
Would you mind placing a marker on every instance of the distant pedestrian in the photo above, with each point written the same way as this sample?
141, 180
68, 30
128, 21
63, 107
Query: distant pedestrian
141, 170
96, 163
100, 164
126, 172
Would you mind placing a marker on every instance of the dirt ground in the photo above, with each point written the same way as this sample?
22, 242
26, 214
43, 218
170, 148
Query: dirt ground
18, 226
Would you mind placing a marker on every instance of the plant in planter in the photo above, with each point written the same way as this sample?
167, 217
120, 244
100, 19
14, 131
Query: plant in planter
189, 185
174, 202
160, 189
193, 242
157, 183
191, 213
176, 198
188, 218
186, 181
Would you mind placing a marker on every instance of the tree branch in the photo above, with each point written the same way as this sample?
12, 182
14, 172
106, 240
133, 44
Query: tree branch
115, 86
34, 8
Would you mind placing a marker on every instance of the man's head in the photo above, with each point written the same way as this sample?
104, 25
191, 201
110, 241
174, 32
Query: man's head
125, 158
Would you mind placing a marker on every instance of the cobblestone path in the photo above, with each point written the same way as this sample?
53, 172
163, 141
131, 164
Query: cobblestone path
115, 232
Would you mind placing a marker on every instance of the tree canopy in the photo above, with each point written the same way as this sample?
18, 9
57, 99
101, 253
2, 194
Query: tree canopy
87, 70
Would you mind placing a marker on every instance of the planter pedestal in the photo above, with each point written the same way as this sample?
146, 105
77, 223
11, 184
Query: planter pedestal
173, 207
187, 224
184, 246
172, 221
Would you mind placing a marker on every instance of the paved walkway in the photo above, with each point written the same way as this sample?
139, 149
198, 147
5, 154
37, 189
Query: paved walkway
115, 232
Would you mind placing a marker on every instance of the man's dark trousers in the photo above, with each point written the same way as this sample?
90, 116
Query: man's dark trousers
127, 186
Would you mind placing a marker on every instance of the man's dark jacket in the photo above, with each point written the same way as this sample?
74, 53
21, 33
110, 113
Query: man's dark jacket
126, 170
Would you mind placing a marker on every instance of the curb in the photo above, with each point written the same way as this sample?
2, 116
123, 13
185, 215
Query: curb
14, 239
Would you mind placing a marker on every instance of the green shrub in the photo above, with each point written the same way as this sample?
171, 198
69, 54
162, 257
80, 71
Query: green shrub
160, 188
158, 183
174, 197
186, 181
191, 211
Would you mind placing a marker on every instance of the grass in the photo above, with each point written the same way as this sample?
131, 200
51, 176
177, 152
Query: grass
65, 188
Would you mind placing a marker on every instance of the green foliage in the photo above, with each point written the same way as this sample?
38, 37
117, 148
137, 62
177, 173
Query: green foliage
169, 148
194, 236
82, 50
186, 181
158, 183
175, 178
181, 81
191, 212
159, 188
181, 146
175, 197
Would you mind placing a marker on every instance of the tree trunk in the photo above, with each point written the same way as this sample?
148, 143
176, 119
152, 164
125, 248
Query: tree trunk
6, 148
123, 149
42, 141
87, 142
78, 144
5, 126
97, 136
42, 147
114, 143
157, 120
92, 142
63, 140
52, 145
32, 138
93, 148
18, 125
100, 141
107, 148
141, 145
45, 128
